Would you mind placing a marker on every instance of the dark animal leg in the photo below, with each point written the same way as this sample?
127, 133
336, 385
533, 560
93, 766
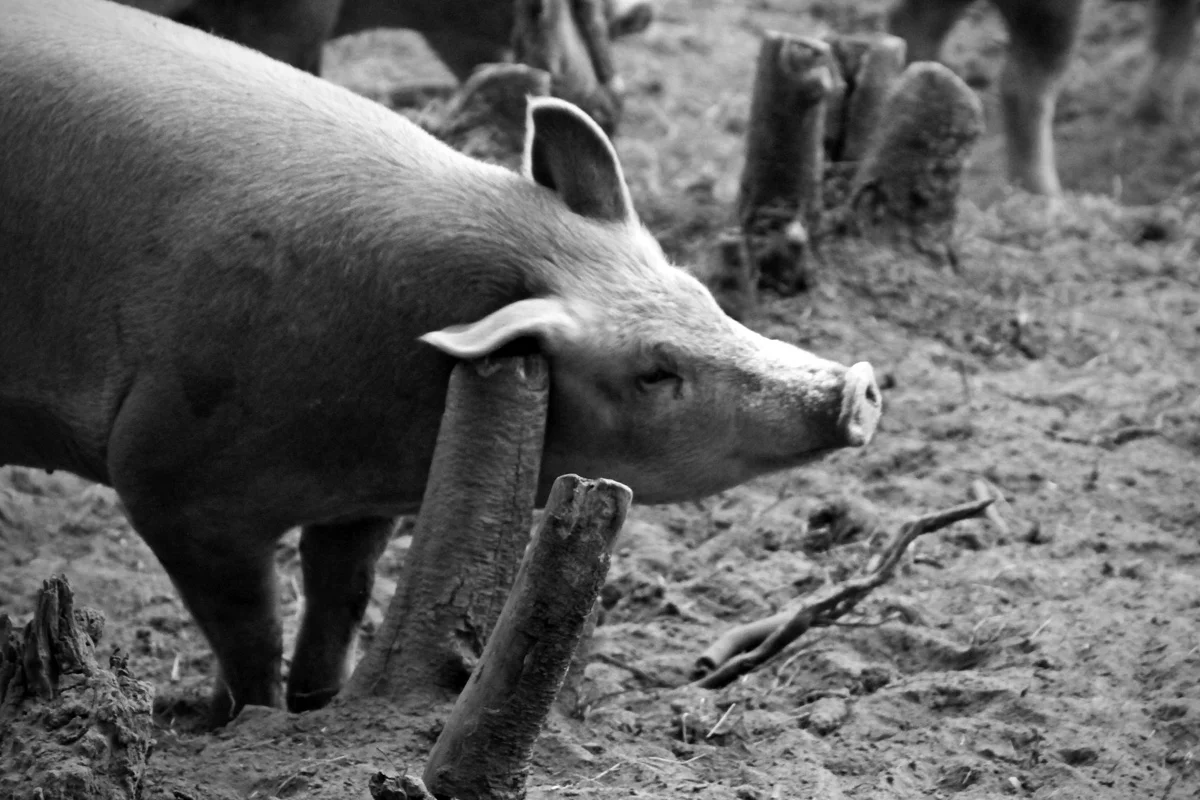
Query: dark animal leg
338, 562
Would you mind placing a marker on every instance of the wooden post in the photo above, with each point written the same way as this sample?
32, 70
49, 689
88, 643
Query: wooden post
906, 188
486, 118
869, 65
779, 195
484, 750
92, 727
865, 70
470, 536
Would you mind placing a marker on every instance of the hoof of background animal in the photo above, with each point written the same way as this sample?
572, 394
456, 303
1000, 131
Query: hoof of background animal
629, 17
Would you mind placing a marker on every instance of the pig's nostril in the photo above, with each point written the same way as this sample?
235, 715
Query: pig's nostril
872, 395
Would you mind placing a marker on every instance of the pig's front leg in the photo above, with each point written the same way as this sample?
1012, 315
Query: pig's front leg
338, 563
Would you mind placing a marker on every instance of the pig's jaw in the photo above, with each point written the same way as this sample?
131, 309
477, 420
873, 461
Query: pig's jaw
650, 488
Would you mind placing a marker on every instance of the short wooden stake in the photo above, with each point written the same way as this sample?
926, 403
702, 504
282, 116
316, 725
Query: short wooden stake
869, 66
779, 196
485, 748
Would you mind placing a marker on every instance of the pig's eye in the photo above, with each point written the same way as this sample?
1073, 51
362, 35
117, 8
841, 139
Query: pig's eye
655, 378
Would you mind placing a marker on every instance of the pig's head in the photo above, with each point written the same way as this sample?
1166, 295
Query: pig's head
652, 384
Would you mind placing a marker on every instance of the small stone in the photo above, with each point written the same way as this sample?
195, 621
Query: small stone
827, 715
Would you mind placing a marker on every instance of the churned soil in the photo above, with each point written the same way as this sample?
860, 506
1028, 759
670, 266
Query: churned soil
1060, 363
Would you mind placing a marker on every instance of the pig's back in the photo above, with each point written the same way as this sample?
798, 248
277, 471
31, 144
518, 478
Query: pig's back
162, 189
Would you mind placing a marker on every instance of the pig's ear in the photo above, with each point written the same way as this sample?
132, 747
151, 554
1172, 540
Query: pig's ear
566, 151
544, 318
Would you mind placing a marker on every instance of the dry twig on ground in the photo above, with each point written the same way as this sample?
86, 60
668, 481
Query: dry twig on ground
719, 666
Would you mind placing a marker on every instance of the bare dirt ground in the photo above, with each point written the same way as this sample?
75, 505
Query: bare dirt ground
1060, 364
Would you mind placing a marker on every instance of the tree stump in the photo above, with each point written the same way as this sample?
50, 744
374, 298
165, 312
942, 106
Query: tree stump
868, 67
541, 39
486, 118
906, 189
68, 728
469, 538
842, 140
779, 195
483, 752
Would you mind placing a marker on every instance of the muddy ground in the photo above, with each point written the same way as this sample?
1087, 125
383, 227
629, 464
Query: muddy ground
1060, 364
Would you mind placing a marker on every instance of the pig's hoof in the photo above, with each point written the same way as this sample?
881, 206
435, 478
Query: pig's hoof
862, 403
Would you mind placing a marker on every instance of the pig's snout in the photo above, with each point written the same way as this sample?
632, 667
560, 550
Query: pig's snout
861, 405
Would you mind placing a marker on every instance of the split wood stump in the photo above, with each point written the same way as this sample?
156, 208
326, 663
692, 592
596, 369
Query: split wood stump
69, 728
779, 194
866, 69
844, 141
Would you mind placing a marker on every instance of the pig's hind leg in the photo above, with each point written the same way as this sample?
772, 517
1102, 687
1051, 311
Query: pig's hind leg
200, 521
228, 583
338, 564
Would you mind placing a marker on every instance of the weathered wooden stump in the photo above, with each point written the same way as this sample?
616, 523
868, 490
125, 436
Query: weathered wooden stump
779, 195
865, 70
485, 748
868, 67
68, 727
469, 538
905, 191
843, 141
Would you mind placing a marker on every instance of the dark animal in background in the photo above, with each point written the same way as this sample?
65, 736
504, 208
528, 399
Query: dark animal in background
235, 293
1042, 35
463, 33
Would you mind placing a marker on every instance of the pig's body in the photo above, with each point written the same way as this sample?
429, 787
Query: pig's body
1042, 35
215, 273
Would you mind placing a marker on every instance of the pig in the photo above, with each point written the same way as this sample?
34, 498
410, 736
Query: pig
234, 293
1042, 35
463, 34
